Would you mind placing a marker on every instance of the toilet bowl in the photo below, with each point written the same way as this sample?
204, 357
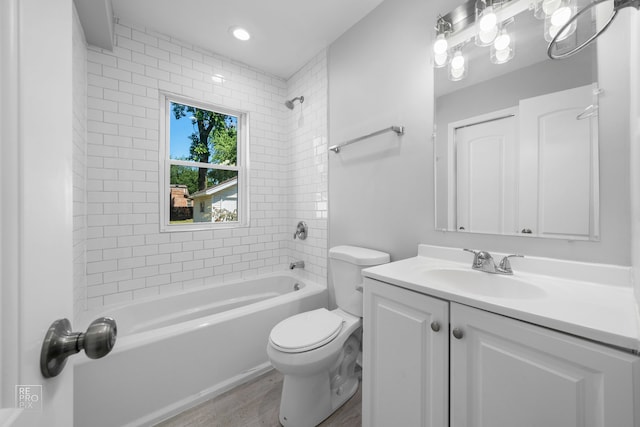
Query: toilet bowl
316, 351
320, 379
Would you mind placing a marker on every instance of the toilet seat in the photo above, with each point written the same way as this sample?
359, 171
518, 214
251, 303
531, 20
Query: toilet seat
306, 331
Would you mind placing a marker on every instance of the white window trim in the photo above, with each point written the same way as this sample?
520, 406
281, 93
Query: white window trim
164, 166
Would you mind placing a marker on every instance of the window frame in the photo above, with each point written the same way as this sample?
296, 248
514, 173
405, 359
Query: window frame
165, 163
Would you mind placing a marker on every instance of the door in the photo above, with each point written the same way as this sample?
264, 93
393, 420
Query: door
485, 175
507, 373
35, 205
558, 194
405, 358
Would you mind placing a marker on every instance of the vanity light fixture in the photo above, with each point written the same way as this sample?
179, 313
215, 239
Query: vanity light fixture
458, 66
441, 45
562, 13
503, 47
486, 22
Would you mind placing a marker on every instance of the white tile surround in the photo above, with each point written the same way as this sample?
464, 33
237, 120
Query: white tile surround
307, 184
127, 257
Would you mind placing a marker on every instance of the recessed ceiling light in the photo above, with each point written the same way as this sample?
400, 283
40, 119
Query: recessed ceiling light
240, 33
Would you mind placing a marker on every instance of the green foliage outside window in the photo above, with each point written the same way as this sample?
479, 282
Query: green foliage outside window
214, 140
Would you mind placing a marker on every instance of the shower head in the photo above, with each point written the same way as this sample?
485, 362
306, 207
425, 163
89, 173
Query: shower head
289, 103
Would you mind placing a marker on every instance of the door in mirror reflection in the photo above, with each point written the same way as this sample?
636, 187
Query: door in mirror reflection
486, 175
558, 165
531, 169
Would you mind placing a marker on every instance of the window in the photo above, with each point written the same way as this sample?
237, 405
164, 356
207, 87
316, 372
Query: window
204, 166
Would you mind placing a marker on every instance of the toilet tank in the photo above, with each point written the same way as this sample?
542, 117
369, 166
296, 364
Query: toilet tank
347, 263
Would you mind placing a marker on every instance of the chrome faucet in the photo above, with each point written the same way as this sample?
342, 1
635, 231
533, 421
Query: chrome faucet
505, 265
296, 264
483, 261
301, 231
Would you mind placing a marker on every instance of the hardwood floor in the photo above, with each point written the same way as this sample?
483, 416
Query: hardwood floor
254, 404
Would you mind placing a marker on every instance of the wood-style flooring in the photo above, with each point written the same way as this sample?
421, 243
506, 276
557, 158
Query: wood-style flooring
254, 404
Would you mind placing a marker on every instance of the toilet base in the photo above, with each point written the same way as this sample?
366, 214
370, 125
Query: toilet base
307, 401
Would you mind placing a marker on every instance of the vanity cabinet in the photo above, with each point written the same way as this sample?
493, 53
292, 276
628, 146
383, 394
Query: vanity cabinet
501, 372
505, 372
405, 358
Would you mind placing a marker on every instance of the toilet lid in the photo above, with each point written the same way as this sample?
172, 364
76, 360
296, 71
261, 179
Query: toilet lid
306, 331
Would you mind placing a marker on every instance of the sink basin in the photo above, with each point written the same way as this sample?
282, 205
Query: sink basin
484, 284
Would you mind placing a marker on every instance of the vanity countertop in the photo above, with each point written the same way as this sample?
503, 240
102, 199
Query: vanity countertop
593, 301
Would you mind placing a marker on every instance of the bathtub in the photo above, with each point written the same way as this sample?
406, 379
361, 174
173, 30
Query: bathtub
175, 352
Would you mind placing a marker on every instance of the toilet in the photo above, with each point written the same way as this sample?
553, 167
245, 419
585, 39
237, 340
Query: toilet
317, 350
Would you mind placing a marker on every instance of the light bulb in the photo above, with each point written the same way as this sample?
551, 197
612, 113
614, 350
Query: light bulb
488, 20
502, 48
457, 67
486, 37
441, 45
440, 60
561, 16
558, 19
503, 55
457, 62
457, 73
502, 41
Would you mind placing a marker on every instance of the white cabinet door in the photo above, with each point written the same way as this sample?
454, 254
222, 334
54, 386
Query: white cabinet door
507, 373
406, 362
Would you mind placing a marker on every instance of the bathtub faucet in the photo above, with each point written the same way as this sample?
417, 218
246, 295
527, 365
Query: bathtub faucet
296, 264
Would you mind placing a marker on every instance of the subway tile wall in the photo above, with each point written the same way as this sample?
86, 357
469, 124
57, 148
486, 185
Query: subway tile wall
127, 257
79, 166
307, 183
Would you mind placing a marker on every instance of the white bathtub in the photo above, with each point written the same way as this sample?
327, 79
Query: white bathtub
175, 352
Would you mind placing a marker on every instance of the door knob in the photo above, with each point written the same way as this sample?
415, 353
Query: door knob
60, 343
435, 326
457, 332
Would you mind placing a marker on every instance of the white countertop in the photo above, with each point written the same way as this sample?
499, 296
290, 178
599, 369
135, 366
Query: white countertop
593, 301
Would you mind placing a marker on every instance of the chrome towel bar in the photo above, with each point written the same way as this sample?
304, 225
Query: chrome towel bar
397, 129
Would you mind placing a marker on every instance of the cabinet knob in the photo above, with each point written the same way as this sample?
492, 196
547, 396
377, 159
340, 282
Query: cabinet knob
457, 332
435, 326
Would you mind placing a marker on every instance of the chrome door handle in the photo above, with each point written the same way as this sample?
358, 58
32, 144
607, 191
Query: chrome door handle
60, 343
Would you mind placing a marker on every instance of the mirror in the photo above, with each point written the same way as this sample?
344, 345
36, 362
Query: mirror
516, 144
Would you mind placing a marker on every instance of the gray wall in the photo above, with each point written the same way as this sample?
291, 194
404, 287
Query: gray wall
381, 191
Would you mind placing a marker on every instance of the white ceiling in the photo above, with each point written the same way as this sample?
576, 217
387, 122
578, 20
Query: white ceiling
285, 34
